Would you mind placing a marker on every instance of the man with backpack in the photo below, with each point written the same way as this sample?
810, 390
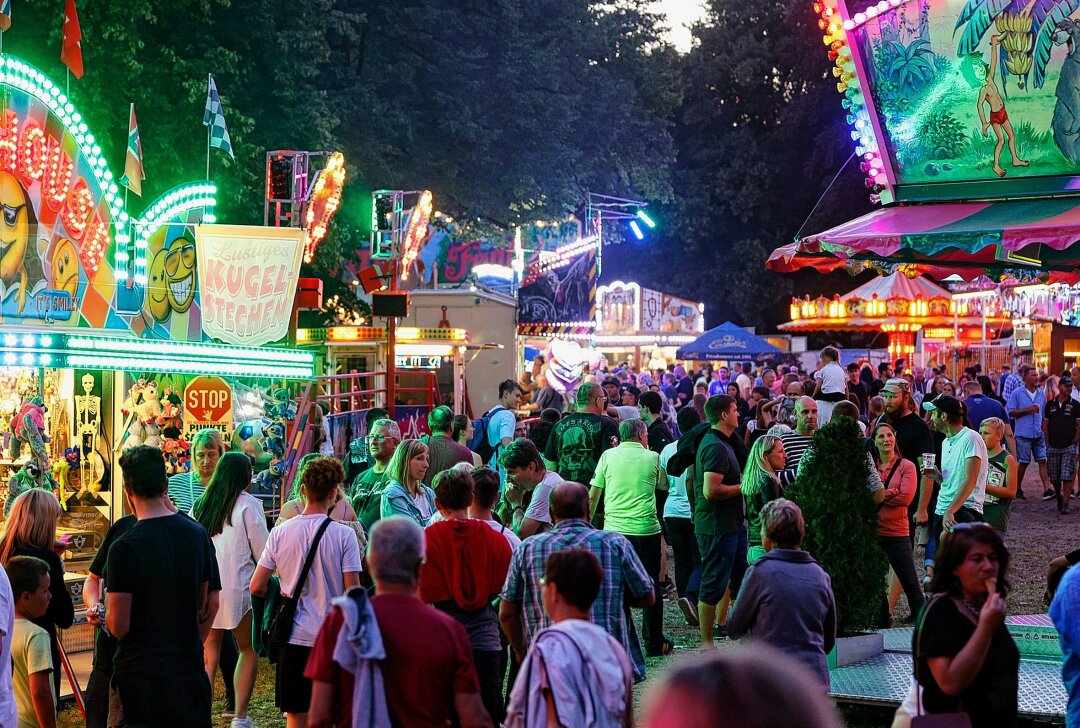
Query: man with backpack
495, 430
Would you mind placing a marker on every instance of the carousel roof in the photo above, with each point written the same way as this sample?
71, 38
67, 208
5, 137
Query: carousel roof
898, 285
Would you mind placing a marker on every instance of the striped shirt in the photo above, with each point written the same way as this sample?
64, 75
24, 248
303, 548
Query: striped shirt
623, 574
185, 489
795, 446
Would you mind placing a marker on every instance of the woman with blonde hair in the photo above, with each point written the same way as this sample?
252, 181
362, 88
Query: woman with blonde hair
406, 495
760, 484
30, 530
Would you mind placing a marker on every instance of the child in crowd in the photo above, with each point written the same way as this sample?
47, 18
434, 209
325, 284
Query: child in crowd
831, 383
31, 656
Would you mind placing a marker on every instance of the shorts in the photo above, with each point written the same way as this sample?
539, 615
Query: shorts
1061, 463
292, 691
723, 560
1026, 447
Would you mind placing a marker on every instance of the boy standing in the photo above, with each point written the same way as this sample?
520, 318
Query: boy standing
31, 655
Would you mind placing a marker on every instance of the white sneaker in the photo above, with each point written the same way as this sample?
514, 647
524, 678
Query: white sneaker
245, 722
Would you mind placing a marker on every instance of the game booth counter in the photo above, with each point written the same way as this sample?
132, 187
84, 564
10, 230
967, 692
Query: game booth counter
964, 115
117, 330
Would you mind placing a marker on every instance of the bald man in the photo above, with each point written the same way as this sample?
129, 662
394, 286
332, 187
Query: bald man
795, 443
522, 609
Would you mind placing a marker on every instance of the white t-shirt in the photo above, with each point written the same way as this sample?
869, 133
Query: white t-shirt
539, 509
338, 554
677, 505
832, 378
627, 412
9, 710
955, 452
507, 533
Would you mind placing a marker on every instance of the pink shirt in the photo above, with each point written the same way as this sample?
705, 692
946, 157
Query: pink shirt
892, 517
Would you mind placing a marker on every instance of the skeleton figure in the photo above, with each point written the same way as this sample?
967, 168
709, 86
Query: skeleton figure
88, 414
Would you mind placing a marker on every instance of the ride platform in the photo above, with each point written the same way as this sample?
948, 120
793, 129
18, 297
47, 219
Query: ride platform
884, 680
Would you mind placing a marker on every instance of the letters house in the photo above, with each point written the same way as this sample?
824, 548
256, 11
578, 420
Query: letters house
122, 326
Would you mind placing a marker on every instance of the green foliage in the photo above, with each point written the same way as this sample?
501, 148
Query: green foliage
942, 135
841, 522
911, 64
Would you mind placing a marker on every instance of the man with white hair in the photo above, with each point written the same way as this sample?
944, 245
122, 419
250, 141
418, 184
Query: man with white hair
366, 491
426, 661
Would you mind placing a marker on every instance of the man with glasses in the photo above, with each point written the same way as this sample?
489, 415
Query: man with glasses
578, 439
366, 491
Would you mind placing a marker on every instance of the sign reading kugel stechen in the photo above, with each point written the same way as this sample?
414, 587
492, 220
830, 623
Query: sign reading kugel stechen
208, 404
247, 280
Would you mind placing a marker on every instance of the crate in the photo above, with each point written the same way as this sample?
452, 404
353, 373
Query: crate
77, 638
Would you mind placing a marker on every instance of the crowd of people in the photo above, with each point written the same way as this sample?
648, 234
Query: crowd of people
491, 572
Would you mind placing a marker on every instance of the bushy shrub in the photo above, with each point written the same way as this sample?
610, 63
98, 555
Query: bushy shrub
841, 522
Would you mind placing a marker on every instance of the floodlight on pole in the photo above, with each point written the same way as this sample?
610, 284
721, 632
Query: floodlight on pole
643, 216
636, 229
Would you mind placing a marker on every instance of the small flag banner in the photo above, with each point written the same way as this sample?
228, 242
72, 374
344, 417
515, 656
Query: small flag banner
71, 50
133, 164
213, 118
5, 14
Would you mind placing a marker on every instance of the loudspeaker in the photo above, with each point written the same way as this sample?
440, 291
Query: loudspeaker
385, 303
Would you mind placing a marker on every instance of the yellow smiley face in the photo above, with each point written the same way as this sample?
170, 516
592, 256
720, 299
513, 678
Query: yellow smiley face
180, 274
64, 267
14, 225
156, 288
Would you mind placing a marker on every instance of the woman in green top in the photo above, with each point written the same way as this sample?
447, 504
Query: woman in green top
760, 485
1000, 477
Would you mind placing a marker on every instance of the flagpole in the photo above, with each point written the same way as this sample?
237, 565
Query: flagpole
209, 127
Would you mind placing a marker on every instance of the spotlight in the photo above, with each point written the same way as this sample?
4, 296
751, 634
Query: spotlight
637, 230
645, 218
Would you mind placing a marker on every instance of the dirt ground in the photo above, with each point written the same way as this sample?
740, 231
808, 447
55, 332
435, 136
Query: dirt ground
1036, 535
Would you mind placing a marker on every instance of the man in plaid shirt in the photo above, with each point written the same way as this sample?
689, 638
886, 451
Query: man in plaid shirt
522, 608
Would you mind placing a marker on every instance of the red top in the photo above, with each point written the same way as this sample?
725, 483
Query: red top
428, 661
466, 563
892, 516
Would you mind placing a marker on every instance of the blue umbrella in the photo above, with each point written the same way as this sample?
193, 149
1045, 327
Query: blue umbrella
727, 342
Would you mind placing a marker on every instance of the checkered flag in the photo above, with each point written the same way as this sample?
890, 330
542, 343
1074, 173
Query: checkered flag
213, 118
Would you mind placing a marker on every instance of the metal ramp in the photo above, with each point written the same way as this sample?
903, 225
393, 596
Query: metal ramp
884, 680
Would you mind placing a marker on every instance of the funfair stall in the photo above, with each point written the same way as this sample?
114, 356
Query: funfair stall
643, 326
964, 117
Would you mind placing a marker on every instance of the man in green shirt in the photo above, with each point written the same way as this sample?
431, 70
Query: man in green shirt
366, 491
628, 477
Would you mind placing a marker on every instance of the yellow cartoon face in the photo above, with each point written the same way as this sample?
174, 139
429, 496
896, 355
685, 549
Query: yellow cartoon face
156, 288
14, 225
180, 274
64, 267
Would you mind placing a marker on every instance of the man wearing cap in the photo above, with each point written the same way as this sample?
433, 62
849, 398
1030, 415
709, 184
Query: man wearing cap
1061, 433
1026, 405
964, 465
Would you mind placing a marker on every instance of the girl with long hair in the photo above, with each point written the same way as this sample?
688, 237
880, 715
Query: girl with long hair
761, 484
406, 495
234, 519
30, 530
901, 484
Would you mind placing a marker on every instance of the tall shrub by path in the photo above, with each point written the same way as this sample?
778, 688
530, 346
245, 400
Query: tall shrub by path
841, 522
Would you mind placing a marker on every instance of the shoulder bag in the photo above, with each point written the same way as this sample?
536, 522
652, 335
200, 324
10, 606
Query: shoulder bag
280, 624
958, 719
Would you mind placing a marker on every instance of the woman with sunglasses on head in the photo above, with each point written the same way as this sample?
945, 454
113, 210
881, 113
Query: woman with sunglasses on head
964, 657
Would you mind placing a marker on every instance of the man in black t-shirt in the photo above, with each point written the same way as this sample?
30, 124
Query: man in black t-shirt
1060, 432
650, 405
913, 435
719, 514
163, 588
578, 439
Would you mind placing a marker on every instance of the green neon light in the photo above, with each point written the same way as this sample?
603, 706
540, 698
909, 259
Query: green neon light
182, 366
173, 203
201, 352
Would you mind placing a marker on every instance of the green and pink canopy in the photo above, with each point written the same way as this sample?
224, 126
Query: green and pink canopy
963, 238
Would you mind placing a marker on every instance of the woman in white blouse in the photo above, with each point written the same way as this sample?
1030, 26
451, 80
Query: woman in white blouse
235, 521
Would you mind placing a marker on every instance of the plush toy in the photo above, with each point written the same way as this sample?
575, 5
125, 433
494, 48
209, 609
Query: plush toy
274, 439
29, 476
149, 410
268, 482
279, 407
136, 434
28, 426
172, 415
134, 397
177, 455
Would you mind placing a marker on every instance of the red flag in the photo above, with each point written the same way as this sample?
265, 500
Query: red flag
71, 51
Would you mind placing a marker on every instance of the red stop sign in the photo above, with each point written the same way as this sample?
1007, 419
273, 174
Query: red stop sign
208, 398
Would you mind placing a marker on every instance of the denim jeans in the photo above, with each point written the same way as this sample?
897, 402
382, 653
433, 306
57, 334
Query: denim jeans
680, 534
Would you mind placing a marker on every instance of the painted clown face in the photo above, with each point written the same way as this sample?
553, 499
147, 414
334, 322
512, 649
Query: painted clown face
64, 267
14, 225
180, 274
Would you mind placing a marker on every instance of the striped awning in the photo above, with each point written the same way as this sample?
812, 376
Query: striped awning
945, 239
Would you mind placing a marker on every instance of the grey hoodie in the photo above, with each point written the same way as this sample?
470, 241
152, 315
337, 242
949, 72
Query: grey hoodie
786, 600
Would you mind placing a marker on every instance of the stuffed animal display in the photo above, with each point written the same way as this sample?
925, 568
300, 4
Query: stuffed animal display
269, 481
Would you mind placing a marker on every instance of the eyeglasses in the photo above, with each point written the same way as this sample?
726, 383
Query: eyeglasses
377, 438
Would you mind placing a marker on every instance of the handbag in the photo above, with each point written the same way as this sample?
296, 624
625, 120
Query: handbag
958, 719
280, 624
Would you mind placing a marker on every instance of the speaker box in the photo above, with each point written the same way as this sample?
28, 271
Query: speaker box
385, 303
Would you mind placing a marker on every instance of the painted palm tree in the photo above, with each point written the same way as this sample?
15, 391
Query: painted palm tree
911, 64
1026, 32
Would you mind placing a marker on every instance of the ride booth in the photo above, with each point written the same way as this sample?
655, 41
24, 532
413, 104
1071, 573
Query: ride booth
119, 328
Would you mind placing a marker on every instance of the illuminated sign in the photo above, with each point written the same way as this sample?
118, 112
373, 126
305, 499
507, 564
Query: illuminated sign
323, 202
416, 232
417, 361
247, 280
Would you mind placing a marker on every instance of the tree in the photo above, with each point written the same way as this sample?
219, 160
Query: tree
841, 522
